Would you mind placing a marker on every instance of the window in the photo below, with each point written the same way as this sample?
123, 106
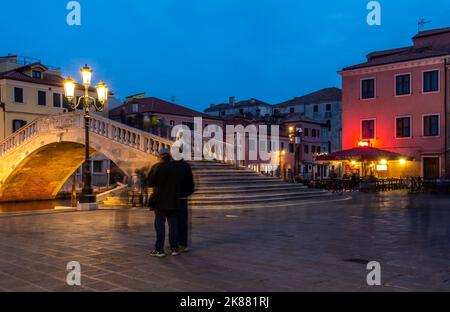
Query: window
98, 166
135, 108
306, 132
36, 74
56, 100
190, 125
316, 108
368, 88
282, 145
17, 124
368, 129
318, 149
403, 84
403, 127
313, 149
42, 98
313, 133
172, 123
329, 125
431, 81
258, 112
241, 111
292, 110
18, 95
318, 133
222, 113
306, 148
431, 125
276, 111
291, 148
328, 108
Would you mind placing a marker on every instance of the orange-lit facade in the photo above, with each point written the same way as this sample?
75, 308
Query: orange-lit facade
399, 101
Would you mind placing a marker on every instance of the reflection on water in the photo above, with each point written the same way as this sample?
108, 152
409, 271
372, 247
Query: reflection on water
33, 205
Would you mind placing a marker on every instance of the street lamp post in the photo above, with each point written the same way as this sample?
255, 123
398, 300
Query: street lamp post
281, 153
87, 199
295, 135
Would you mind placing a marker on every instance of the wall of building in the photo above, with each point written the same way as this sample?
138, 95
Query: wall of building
387, 106
331, 141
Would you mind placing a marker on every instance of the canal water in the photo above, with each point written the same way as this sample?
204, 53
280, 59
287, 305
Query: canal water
33, 205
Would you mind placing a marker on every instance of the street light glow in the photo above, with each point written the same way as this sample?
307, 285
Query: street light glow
69, 88
102, 92
86, 73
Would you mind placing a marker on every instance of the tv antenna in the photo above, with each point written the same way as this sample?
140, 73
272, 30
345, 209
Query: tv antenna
173, 99
421, 24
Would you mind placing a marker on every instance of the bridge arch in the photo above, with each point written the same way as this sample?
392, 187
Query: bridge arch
36, 161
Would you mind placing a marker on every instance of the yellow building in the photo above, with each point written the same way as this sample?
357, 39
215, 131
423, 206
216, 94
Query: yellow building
29, 90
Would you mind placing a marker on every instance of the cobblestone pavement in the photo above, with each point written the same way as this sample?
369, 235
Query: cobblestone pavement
322, 247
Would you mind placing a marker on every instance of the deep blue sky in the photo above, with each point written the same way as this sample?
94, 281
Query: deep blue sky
203, 51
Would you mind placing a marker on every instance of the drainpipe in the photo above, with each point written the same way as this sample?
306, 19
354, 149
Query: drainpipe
3, 107
447, 120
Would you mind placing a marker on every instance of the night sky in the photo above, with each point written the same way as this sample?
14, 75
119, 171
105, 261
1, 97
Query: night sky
203, 51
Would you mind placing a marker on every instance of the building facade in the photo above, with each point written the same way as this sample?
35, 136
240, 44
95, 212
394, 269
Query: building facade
323, 106
251, 108
399, 101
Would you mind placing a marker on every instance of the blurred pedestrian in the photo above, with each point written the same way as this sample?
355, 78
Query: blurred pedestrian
187, 188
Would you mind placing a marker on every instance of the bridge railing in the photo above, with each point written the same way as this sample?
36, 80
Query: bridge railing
17, 138
123, 134
115, 131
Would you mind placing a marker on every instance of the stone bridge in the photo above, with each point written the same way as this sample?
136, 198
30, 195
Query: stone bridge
37, 160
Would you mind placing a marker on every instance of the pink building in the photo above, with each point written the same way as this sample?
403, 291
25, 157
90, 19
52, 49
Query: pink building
399, 101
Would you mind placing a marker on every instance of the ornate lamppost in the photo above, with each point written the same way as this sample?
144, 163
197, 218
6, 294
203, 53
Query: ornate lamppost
281, 153
295, 135
87, 199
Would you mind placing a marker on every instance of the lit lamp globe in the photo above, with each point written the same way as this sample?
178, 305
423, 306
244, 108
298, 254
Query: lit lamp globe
102, 92
86, 73
69, 88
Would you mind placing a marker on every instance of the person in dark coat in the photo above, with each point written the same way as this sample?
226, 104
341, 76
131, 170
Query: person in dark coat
163, 177
187, 188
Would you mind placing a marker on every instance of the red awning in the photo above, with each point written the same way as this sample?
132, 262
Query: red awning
361, 154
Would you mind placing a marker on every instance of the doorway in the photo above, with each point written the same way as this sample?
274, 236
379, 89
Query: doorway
431, 168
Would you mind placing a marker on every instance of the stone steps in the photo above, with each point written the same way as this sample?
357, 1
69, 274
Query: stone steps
249, 189
254, 196
115, 201
223, 186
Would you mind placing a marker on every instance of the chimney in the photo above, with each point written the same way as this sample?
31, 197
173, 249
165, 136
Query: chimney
231, 100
